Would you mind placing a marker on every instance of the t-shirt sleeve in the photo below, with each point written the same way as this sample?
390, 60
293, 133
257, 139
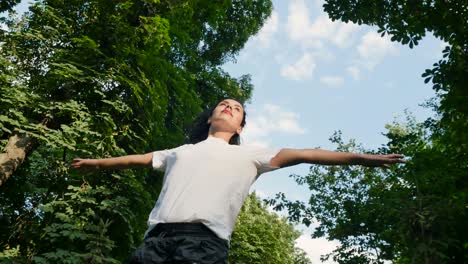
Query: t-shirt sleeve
160, 157
262, 157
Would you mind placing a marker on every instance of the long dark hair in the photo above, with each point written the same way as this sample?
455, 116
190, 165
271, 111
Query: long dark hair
200, 127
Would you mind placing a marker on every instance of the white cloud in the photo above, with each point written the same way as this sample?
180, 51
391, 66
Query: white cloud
298, 20
270, 119
343, 35
374, 48
323, 29
355, 72
319, 4
332, 81
301, 69
316, 247
268, 30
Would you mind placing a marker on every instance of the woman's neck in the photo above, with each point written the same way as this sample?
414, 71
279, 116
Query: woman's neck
226, 136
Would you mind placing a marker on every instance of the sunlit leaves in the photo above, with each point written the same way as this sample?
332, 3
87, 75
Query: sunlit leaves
391, 214
438, 147
95, 79
263, 237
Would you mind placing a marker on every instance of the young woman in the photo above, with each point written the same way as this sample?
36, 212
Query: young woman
206, 182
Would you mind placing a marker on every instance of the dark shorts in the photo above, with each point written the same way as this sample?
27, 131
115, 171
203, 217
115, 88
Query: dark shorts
181, 243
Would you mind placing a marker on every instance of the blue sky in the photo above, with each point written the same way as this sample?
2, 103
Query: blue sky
312, 77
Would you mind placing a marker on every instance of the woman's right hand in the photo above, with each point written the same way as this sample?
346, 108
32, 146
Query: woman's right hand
85, 166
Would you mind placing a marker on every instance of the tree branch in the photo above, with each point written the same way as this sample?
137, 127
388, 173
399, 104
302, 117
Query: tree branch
16, 150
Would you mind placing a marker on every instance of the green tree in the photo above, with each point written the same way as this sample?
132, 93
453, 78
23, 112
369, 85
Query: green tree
8, 5
408, 22
98, 78
414, 213
263, 237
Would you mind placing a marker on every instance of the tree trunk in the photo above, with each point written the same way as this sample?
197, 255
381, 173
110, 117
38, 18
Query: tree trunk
16, 150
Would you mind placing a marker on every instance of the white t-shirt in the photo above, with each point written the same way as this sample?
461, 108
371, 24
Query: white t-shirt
207, 182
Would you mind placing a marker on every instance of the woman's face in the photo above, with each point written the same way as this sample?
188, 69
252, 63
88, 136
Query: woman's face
227, 116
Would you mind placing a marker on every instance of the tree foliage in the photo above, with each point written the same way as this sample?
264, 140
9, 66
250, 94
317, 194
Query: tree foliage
263, 237
408, 22
7, 5
89, 78
414, 213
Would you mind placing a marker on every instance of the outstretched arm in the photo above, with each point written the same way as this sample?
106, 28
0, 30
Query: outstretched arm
289, 157
124, 162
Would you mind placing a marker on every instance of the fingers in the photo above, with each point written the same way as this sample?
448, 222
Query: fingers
82, 166
76, 163
395, 158
392, 159
385, 161
75, 160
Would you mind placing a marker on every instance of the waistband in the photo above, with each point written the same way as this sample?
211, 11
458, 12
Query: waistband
174, 229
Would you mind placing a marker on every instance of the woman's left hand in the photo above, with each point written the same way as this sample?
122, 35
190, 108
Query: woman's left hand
382, 160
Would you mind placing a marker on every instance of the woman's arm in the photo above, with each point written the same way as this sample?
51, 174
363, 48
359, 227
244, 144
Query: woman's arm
289, 157
124, 162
